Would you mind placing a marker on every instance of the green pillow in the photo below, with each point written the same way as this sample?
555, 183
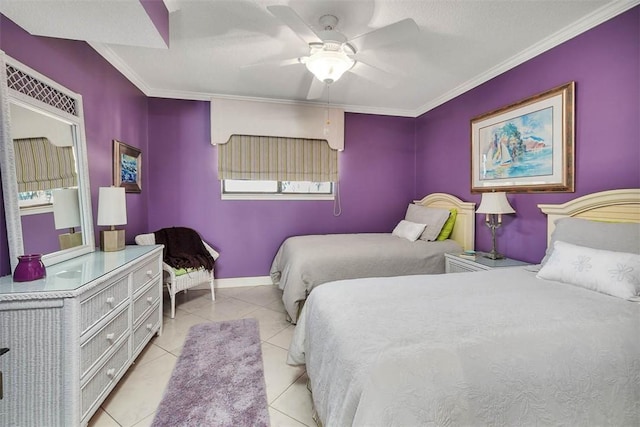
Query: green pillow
447, 228
182, 271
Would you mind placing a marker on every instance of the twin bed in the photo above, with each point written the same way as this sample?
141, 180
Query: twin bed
304, 262
500, 347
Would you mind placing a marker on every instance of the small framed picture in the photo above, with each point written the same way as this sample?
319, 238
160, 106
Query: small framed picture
127, 167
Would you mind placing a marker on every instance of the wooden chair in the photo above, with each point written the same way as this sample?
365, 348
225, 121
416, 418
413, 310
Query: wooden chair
181, 282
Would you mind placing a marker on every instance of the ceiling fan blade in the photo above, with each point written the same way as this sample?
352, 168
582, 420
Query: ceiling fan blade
316, 89
390, 34
290, 18
273, 63
374, 74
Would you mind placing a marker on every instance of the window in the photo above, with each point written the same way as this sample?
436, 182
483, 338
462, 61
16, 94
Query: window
244, 188
254, 167
306, 187
30, 199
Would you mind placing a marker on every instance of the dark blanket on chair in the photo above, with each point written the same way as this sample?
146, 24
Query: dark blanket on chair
183, 248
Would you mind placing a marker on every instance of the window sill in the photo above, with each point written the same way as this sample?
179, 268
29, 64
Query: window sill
36, 210
254, 196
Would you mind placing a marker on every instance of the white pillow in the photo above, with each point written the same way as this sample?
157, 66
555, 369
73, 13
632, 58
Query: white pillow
433, 218
408, 230
612, 273
611, 236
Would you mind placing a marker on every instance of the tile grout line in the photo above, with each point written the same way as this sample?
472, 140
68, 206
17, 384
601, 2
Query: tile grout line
288, 387
289, 416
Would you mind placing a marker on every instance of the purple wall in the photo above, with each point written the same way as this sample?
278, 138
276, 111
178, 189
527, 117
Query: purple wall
42, 226
159, 15
387, 160
113, 109
376, 182
605, 64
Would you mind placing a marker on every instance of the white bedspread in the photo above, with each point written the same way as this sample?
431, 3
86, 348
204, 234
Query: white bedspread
488, 348
304, 262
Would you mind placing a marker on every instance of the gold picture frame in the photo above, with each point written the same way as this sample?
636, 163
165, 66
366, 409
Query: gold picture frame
528, 146
127, 167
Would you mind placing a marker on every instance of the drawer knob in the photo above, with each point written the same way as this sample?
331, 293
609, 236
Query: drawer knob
111, 373
110, 300
150, 273
149, 326
149, 300
110, 337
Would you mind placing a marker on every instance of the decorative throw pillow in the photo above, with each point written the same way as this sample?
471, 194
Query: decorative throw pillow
408, 230
433, 218
610, 236
612, 273
447, 228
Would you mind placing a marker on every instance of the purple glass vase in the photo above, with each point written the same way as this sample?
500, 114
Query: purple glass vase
30, 267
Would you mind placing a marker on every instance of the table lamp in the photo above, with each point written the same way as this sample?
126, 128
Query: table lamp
494, 205
66, 214
112, 211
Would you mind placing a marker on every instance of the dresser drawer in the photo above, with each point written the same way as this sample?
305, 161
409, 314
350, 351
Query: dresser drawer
146, 272
148, 326
458, 268
92, 391
101, 342
145, 300
102, 302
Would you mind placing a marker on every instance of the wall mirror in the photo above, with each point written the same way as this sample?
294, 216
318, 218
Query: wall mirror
43, 160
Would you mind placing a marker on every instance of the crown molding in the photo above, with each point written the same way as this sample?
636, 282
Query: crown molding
381, 111
108, 54
206, 96
588, 22
112, 58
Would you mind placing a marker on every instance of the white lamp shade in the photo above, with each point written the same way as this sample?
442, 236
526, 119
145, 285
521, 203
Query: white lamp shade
66, 208
495, 203
112, 206
329, 66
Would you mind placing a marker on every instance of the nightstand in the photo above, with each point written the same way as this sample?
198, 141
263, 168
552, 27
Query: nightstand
454, 263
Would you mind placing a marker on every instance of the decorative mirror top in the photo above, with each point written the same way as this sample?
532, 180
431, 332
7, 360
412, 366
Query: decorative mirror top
22, 82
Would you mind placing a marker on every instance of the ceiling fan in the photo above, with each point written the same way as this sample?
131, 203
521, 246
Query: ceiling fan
331, 54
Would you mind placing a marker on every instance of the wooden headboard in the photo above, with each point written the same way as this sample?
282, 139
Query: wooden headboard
464, 230
612, 205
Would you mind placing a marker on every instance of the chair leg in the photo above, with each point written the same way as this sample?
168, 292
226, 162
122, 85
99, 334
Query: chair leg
213, 295
172, 295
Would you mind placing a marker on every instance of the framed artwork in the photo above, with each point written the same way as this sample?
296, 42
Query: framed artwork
527, 146
127, 167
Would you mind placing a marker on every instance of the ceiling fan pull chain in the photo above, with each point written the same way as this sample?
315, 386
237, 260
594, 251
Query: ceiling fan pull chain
327, 123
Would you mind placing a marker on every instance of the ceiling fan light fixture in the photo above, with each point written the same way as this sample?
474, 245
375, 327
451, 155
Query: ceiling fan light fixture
329, 66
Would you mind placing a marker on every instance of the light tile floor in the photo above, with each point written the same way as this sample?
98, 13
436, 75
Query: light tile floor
134, 400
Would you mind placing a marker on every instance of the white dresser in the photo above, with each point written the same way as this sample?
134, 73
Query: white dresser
72, 336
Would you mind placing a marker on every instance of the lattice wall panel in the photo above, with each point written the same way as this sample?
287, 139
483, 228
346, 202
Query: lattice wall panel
24, 83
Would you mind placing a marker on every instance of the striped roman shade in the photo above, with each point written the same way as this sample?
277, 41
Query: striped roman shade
40, 165
277, 159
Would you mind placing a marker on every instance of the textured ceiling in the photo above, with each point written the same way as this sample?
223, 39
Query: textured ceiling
460, 45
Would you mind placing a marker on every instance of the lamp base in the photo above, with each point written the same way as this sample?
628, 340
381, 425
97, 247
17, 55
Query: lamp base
70, 240
111, 240
494, 255
493, 222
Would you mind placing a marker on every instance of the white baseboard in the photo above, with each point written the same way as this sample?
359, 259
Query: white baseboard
236, 282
